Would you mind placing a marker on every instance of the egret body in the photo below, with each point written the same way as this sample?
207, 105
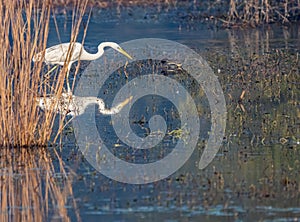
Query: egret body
70, 53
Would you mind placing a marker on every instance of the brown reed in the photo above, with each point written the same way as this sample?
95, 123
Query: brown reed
258, 12
24, 32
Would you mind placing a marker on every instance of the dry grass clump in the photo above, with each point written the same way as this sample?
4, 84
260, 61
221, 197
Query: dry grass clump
230, 12
113, 3
24, 31
257, 12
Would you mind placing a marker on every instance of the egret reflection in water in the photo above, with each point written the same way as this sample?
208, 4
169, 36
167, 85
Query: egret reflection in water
71, 105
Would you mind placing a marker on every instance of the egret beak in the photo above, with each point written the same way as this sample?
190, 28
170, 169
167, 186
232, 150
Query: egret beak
125, 102
124, 53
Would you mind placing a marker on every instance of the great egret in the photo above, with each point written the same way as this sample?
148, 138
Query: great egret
57, 55
71, 105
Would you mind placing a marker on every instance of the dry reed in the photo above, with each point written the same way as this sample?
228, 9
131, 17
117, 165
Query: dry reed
24, 32
257, 12
31, 187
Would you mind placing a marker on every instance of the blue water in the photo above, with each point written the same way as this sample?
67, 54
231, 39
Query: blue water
222, 191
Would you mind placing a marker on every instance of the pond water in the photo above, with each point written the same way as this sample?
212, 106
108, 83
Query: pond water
253, 177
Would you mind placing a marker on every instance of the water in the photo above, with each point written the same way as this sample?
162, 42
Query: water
254, 176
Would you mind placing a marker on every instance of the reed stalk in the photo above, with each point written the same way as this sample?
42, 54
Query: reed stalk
24, 32
258, 12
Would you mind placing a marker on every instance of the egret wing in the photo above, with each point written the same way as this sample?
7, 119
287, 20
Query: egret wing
58, 54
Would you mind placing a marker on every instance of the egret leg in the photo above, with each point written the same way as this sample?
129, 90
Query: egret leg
68, 84
51, 70
67, 76
48, 73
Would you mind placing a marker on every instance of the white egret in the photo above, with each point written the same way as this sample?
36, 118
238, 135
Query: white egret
71, 105
58, 54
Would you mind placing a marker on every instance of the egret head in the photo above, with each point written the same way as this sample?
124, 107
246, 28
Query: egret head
118, 48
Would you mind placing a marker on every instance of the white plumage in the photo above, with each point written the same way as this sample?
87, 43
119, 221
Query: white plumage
60, 54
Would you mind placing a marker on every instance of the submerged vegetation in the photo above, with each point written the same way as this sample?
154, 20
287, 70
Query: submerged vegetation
261, 86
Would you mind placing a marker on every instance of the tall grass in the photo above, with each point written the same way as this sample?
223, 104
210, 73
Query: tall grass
257, 12
24, 31
230, 12
32, 189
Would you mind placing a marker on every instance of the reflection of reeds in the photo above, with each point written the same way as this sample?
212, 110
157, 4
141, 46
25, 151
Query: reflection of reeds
31, 187
24, 31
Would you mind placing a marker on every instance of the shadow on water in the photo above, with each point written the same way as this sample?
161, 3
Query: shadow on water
255, 175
